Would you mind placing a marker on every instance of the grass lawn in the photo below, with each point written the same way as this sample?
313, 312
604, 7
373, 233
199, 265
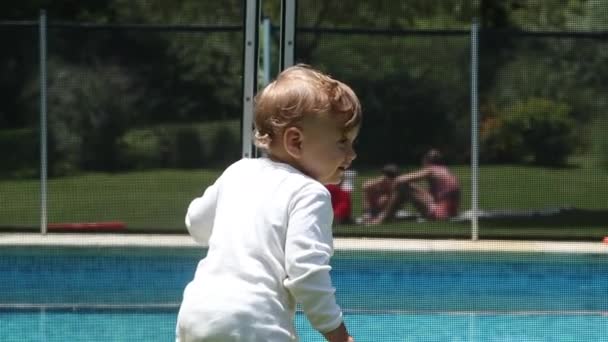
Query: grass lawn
150, 200
155, 201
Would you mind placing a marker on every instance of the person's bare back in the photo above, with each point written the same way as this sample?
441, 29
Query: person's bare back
437, 201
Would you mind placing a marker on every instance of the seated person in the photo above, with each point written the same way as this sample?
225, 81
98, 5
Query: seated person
378, 191
439, 200
340, 202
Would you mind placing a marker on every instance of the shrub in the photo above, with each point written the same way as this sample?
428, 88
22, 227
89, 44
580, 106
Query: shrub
403, 117
225, 147
142, 149
602, 142
182, 146
537, 130
89, 111
189, 152
20, 150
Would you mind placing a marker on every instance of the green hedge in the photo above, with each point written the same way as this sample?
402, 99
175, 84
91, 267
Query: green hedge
182, 146
20, 150
537, 130
178, 146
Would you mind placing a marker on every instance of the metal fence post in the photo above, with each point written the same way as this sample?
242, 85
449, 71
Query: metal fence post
250, 67
266, 34
288, 33
43, 123
474, 130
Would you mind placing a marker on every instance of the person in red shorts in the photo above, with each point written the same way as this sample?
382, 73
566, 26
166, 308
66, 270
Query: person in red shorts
437, 201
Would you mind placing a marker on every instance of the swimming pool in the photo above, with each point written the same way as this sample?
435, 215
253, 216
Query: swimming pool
120, 294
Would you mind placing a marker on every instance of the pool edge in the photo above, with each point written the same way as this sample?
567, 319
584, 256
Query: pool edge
380, 244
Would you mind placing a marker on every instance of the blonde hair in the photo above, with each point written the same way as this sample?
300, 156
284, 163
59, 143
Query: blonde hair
298, 92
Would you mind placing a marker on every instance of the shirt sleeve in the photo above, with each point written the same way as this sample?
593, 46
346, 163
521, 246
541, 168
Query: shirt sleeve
308, 249
201, 214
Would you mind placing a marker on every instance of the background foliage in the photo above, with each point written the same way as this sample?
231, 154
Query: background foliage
145, 104
412, 76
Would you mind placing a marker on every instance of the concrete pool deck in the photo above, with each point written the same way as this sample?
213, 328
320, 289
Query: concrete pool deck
422, 245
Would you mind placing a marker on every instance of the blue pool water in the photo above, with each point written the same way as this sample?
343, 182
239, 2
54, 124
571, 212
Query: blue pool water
113, 294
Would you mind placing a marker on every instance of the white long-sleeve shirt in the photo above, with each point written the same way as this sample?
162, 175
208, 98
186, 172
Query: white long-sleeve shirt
268, 227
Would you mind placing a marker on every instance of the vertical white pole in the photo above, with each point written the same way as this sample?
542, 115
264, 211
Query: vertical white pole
474, 130
250, 66
266, 50
288, 33
43, 124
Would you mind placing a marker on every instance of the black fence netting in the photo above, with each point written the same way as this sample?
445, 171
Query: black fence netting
149, 107
540, 111
414, 85
542, 149
498, 107
19, 125
134, 113
135, 102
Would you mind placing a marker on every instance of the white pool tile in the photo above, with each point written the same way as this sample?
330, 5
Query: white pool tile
180, 240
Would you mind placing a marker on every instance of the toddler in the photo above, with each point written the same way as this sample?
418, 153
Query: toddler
267, 221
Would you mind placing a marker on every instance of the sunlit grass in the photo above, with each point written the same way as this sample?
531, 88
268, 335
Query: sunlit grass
156, 200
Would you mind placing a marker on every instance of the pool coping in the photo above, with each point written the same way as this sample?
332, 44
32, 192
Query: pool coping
380, 244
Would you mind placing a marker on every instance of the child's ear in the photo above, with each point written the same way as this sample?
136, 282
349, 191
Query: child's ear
292, 140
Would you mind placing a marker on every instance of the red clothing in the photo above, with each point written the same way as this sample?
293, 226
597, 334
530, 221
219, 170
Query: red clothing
341, 203
443, 209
